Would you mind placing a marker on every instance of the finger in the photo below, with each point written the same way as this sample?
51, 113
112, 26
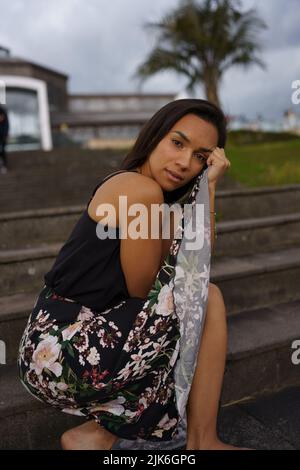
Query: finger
219, 154
217, 157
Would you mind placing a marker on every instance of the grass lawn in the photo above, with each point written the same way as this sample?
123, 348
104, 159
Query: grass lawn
264, 164
262, 158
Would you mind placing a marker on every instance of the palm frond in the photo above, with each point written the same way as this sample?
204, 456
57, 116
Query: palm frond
201, 41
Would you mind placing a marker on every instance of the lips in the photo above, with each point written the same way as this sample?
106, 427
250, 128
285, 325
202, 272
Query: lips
175, 175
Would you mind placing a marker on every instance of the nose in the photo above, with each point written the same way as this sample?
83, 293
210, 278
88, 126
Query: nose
183, 161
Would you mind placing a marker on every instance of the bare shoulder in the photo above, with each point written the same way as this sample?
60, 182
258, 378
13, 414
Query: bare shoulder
137, 188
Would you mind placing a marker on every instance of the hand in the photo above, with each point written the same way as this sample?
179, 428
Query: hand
217, 165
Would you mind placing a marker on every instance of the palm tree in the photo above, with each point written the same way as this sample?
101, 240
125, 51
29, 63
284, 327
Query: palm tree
202, 41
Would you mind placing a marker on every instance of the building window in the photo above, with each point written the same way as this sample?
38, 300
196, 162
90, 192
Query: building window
23, 113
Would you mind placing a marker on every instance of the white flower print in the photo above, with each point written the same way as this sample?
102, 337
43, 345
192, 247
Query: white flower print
146, 344
205, 274
73, 411
44, 335
40, 316
175, 354
131, 414
114, 406
125, 372
204, 291
139, 368
165, 303
62, 386
85, 314
157, 347
69, 332
179, 272
81, 360
165, 423
52, 386
137, 358
46, 355
94, 357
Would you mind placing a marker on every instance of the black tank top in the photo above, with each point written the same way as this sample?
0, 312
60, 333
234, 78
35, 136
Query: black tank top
88, 269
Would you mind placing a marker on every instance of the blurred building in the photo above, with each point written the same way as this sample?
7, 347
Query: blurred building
95, 120
39, 104
291, 121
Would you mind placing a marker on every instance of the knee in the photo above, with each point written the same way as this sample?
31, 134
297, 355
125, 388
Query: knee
214, 292
215, 299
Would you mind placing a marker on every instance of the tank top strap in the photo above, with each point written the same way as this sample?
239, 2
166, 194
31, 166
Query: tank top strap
105, 179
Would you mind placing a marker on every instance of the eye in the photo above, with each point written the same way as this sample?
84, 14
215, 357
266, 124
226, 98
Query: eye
201, 157
176, 142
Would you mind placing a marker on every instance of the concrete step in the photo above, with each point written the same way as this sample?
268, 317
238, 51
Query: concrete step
253, 280
258, 364
257, 235
14, 312
27, 229
25, 422
53, 179
231, 204
65, 176
22, 270
238, 204
235, 238
259, 358
258, 280
47, 193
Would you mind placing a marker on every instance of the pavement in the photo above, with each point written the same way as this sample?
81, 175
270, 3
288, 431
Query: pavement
269, 423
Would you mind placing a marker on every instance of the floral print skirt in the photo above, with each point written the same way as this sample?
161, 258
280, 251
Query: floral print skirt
115, 366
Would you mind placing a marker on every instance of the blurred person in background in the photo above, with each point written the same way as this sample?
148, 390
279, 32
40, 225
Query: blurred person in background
4, 129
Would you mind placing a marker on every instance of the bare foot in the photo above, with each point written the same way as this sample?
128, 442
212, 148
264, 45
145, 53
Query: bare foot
88, 436
215, 445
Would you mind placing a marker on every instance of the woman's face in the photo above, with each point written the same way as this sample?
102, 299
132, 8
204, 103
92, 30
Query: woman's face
183, 151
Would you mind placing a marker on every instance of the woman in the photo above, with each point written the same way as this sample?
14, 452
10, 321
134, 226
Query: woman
102, 340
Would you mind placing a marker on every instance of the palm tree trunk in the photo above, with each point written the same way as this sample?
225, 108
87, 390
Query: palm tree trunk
211, 87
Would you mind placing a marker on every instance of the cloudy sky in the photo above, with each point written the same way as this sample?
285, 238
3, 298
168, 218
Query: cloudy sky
100, 43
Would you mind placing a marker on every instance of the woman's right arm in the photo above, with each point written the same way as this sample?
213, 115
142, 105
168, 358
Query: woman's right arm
141, 258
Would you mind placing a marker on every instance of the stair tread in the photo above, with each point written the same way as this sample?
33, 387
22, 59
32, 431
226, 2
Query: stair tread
263, 329
16, 305
258, 190
42, 212
256, 222
78, 208
22, 254
224, 267
229, 267
13, 396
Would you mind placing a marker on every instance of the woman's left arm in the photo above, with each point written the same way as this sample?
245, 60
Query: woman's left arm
217, 165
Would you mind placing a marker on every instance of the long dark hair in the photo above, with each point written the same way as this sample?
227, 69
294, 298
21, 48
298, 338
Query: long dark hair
160, 124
